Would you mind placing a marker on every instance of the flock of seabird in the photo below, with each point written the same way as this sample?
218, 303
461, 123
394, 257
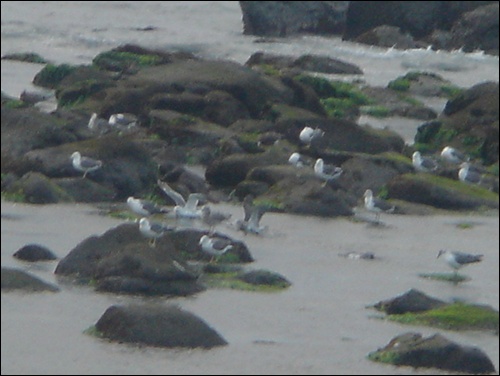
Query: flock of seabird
216, 246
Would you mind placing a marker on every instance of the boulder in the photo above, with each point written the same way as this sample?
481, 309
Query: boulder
436, 351
410, 301
121, 260
157, 325
16, 279
34, 252
285, 18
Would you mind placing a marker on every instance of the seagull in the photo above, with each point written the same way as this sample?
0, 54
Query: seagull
215, 246
122, 120
85, 164
152, 230
467, 174
458, 260
183, 208
144, 208
97, 124
423, 164
377, 205
307, 135
453, 155
253, 214
326, 172
213, 218
296, 160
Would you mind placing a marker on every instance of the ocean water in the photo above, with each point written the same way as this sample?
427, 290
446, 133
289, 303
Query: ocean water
320, 324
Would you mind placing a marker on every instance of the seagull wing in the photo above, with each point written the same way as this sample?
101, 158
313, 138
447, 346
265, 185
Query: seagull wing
382, 205
466, 258
174, 195
219, 243
87, 162
193, 200
429, 163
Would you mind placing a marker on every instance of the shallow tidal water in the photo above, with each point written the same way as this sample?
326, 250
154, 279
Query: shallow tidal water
319, 325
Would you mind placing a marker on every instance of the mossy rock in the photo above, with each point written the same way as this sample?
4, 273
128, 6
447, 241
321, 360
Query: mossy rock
456, 316
256, 280
52, 75
440, 192
27, 57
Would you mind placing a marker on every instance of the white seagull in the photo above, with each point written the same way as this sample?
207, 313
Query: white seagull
183, 208
457, 260
453, 155
122, 120
253, 214
423, 164
85, 164
144, 208
296, 160
377, 205
308, 134
152, 230
326, 172
97, 124
215, 246
468, 175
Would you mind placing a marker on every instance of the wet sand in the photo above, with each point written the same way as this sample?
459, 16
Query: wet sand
317, 326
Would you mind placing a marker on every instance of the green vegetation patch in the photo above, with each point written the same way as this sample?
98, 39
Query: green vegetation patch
233, 280
337, 97
119, 61
399, 84
456, 316
376, 111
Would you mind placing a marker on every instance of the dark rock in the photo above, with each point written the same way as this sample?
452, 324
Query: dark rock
187, 241
15, 279
396, 105
121, 260
34, 252
156, 325
263, 277
36, 188
387, 36
477, 30
313, 63
439, 192
411, 349
284, 18
411, 301
416, 17
28, 128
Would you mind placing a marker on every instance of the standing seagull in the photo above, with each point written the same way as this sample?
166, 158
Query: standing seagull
215, 246
307, 135
253, 214
183, 208
453, 155
144, 208
85, 164
467, 174
326, 172
296, 160
458, 260
423, 164
377, 205
152, 230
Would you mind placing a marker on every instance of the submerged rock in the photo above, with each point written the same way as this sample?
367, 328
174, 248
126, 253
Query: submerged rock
411, 349
16, 279
156, 325
34, 252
